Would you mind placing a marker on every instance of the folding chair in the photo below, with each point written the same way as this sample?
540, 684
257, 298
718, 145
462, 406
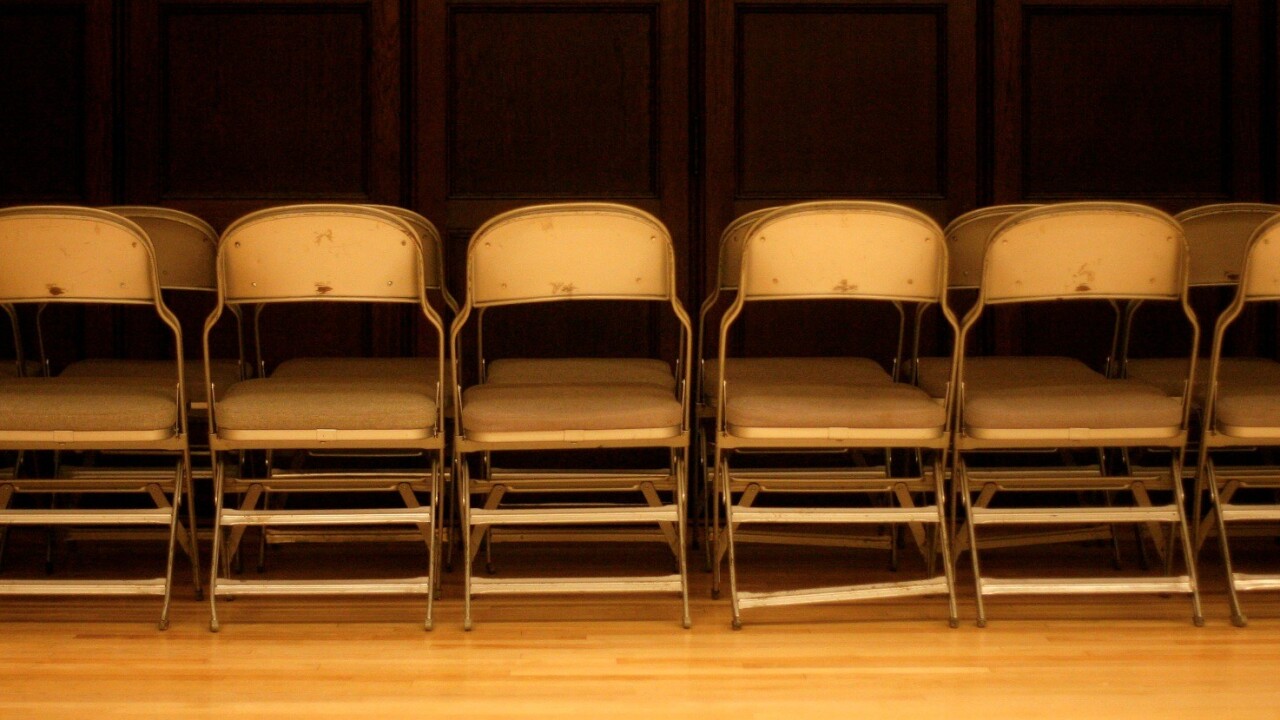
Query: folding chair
1217, 238
566, 253
1242, 413
54, 255
411, 369
837, 251
325, 254
1111, 252
781, 370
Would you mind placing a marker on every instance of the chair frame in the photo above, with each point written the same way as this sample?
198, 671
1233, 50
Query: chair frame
865, 481
159, 487
989, 482
427, 519
495, 484
1223, 483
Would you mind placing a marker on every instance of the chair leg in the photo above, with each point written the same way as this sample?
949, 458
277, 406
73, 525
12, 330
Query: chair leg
194, 554
464, 510
941, 534
1210, 478
1184, 530
959, 472
433, 542
174, 524
723, 463
682, 503
218, 472
715, 536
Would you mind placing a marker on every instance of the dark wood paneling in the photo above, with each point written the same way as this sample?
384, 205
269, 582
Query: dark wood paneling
236, 105
836, 99
55, 130
582, 124
518, 103
1153, 100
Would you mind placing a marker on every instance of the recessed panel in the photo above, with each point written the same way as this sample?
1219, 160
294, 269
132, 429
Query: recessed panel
42, 86
545, 101
264, 102
1126, 102
847, 101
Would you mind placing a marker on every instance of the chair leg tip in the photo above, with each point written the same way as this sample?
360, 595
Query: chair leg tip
214, 626
199, 595
163, 624
982, 622
466, 625
715, 594
953, 623
428, 626
1198, 621
686, 623
1239, 620
737, 624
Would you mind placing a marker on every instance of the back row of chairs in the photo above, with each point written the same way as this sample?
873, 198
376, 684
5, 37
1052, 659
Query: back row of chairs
897, 441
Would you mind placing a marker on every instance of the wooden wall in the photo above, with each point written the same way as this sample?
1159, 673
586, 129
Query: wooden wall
696, 112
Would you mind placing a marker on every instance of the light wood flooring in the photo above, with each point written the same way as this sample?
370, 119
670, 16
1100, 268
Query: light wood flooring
625, 657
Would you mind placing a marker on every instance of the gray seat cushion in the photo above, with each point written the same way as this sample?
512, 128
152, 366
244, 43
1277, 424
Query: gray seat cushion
515, 408
813, 405
224, 372
1103, 404
87, 404
793, 370
331, 404
524, 371
1000, 371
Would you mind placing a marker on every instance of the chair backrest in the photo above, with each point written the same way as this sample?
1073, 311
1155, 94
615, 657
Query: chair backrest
320, 252
186, 247
732, 242
967, 238
1218, 236
58, 253
573, 251
845, 250
432, 250
1261, 274
1087, 250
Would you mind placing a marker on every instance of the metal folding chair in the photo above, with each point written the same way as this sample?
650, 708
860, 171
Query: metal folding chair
837, 251
55, 255
1109, 252
566, 253
1243, 413
325, 254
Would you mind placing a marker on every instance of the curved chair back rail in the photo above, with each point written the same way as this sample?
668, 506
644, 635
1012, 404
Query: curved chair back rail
732, 243
849, 250
1070, 251
967, 237
185, 246
332, 252
579, 251
74, 254
1218, 237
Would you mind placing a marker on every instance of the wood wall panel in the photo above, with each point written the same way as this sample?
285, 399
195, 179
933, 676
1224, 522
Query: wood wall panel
236, 105
1152, 100
55, 130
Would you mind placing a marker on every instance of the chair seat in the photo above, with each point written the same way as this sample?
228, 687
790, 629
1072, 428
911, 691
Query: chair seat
524, 371
86, 409
580, 411
934, 373
793, 370
1169, 374
307, 408
1098, 409
832, 411
1248, 410
225, 373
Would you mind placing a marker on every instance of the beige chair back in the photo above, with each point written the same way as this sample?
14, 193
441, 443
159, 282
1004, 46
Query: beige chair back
185, 246
967, 242
732, 242
1218, 236
320, 252
577, 251
845, 250
1262, 263
74, 254
1090, 250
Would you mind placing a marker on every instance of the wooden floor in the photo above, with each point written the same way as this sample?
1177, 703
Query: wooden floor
612, 657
